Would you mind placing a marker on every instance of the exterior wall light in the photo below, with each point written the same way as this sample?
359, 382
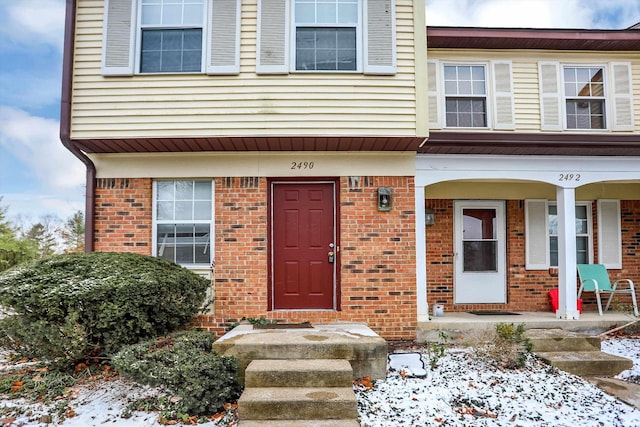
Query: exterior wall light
429, 217
385, 198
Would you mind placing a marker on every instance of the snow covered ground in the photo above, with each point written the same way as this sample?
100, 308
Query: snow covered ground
459, 391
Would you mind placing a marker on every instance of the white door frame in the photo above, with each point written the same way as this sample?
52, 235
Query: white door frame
482, 287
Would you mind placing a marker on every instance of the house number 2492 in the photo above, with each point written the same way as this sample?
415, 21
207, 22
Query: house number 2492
302, 165
569, 177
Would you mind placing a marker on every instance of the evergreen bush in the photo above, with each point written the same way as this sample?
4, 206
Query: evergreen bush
184, 364
76, 305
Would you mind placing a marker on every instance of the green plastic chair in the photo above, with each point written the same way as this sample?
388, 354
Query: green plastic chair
595, 278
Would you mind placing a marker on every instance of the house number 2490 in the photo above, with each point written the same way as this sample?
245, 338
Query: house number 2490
569, 177
302, 165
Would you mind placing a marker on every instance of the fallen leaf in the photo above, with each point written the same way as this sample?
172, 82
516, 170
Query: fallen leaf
69, 412
16, 386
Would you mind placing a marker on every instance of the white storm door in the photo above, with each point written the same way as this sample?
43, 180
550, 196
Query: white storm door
480, 265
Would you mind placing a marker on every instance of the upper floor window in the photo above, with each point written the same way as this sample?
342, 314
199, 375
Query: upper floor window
586, 96
465, 89
171, 36
183, 221
327, 35
470, 95
584, 92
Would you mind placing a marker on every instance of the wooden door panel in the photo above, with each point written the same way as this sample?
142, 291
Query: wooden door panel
303, 228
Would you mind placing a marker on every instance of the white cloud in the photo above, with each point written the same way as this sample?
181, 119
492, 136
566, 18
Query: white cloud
35, 141
534, 13
29, 22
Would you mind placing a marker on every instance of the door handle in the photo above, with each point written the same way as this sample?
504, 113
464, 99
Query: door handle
331, 257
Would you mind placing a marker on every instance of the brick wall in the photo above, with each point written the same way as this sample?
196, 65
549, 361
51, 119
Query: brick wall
123, 215
527, 290
377, 257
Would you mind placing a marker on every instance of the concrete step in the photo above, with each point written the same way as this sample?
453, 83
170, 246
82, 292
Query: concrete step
299, 373
299, 423
364, 349
554, 340
298, 403
587, 363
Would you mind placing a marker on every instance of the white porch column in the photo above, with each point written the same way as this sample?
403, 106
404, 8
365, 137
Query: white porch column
421, 256
567, 276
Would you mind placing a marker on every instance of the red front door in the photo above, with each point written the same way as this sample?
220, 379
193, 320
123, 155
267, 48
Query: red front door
303, 245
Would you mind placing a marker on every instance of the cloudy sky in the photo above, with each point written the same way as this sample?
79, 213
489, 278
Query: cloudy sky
38, 176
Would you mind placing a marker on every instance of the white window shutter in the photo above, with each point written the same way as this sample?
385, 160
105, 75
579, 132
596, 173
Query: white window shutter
536, 235
621, 96
118, 35
503, 110
223, 49
433, 85
379, 37
272, 50
550, 96
609, 234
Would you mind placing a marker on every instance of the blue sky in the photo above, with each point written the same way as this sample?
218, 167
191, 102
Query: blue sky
39, 177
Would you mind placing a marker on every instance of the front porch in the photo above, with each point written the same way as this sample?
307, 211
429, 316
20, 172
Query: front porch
459, 326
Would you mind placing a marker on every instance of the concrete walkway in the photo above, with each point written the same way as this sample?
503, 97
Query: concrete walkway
627, 392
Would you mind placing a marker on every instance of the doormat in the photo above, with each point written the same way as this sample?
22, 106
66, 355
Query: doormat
494, 313
304, 325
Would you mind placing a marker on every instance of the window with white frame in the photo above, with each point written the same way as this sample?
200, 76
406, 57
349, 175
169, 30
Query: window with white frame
327, 35
465, 90
171, 36
583, 234
584, 92
183, 221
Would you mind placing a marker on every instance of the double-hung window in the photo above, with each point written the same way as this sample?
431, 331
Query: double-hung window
183, 221
327, 35
171, 36
584, 92
579, 97
465, 90
583, 234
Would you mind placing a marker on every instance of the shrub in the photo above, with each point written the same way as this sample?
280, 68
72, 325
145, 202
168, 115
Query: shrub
76, 305
185, 364
507, 346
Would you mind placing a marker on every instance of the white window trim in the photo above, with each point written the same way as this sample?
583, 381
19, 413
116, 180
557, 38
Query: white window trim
488, 95
359, 42
138, 41
607, 101
211, 222
589, 208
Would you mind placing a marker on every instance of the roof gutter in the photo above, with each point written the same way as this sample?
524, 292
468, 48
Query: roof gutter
65, 123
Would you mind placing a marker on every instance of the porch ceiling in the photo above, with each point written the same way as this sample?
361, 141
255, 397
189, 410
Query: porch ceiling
503, 143
230, 144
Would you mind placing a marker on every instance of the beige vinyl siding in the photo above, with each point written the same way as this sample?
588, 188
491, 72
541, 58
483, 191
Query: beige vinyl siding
525, 76
166, 105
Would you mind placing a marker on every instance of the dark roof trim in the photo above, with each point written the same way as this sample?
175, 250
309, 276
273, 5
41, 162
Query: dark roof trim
515, 143
528, 38
251, 143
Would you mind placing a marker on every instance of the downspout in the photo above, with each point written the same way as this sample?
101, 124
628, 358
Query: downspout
65, 123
